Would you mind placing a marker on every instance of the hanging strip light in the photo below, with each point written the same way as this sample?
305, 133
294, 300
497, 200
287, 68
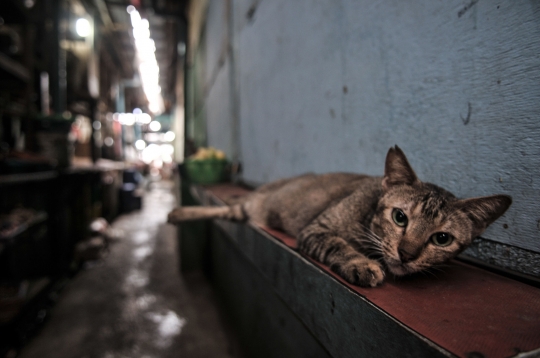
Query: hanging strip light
146, 58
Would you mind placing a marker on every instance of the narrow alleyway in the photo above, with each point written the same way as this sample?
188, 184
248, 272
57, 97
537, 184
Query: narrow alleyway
134, 303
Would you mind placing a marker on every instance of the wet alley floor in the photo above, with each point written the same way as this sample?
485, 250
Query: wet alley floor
134, 302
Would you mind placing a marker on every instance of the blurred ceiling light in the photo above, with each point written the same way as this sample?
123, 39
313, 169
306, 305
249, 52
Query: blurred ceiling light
108, 141
154, 90
148, 66
154, 126
169, 136
152, 137
135, 18
154, 107
83, 28
150, 153
127, 119
141, 33
130, 119
167, 149
166, 158
146, 48
145, 118
140, 144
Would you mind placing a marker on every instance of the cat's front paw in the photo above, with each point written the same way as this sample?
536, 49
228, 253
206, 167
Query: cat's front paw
362, 272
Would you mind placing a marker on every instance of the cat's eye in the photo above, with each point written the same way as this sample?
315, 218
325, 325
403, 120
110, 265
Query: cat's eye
399, 218
441, 239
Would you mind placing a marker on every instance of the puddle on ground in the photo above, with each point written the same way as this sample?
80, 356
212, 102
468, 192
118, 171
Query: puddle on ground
137, 278
142, 252
168, 324
140, 237
144, 302
143, 307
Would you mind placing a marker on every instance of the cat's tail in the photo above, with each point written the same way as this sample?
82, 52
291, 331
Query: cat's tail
191, 213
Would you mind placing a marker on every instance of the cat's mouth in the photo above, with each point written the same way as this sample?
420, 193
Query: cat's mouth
398, 268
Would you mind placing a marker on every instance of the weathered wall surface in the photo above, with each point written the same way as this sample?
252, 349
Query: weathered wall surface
331, 85
218, 111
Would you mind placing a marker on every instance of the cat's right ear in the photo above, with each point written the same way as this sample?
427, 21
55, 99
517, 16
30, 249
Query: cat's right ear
397, 170
484, 211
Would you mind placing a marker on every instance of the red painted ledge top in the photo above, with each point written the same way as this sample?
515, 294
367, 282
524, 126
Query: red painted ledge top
463, 309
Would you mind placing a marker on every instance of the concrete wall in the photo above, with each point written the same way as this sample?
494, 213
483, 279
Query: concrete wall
218, 78
326, 85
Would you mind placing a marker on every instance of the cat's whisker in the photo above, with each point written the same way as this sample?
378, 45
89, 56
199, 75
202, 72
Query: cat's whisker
373, 248
366, 237
427, 272
371, 245
436, 268
371, 237
370, 232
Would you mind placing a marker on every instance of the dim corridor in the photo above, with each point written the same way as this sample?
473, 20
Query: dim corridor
134, 302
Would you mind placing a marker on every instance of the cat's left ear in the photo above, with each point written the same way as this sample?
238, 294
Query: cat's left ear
397, 170
484, 211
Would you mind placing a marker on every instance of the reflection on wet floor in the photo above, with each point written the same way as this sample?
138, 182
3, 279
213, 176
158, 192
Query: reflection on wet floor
135, 304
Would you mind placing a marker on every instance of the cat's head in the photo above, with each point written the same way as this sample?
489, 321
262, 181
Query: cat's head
423, 225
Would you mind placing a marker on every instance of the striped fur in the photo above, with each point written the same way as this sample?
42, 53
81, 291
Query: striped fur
346, 220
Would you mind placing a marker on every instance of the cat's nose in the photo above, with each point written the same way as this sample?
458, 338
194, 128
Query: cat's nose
405, 256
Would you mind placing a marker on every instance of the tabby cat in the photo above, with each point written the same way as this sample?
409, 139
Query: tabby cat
360, 225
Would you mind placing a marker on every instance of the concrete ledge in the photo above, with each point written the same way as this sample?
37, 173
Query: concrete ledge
464, 312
